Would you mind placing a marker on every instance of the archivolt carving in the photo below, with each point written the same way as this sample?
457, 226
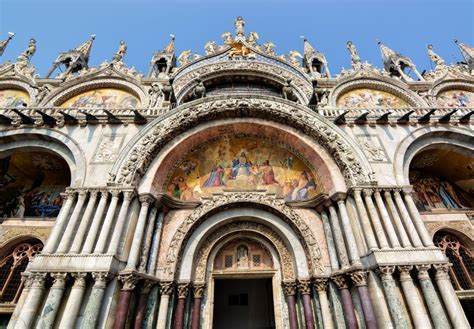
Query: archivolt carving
389, 87
346, 153
464, 227
202, 258
183, 233
182, 82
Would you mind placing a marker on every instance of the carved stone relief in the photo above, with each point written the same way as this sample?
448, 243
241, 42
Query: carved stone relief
108, 148
373, 148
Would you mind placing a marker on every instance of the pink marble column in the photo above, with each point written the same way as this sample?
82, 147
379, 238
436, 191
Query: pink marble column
304, 287
359, 278
129, 282
142, 302
289, 288
347, 304
198, 293
183, 289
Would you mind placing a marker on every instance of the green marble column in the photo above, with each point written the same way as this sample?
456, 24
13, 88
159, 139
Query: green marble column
390, 289
94, 303
51, 306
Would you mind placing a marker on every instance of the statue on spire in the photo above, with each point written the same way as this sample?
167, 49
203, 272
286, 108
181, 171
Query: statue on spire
120, 54
23, 60
4, 43
435, 58
239, 27
355, 59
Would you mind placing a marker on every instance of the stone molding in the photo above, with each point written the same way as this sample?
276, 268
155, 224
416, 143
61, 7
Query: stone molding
359, 278
166, 287
198, 290
289, 288
304, 287
321, 284
183, 290
129, 281
340, 281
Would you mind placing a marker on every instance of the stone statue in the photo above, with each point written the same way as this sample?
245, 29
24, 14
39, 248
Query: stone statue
183, 58
295, 58
287, 91
435, 58
156, 95
42, 92
162, 74
119, 55
239, 27
4, 43
23, 60
322, 96
211, 48
252, 39
199, 90
167, 90
242, 257
269, 48
355, 59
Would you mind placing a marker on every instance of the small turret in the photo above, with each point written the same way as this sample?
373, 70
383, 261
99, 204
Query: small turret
163, 61
73, 60
468, 54
398, 65
315, 62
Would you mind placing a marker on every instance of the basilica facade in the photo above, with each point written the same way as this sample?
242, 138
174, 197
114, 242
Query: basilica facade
236, 188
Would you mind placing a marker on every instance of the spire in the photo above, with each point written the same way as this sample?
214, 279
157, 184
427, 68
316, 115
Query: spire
396, 64
386, 52
467, 52
169, 49
4, 43
86, 47
314, 61
308, 49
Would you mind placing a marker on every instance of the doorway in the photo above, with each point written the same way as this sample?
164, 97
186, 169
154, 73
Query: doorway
243, 304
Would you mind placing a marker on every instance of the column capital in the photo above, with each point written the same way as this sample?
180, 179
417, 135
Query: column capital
37, 280
79, 280
386, 272
328, 203
339, 197
340, 281
82, 193
70, 193
59, 280
104, 193
405, 272
289, 288
198, 290
367, 192
129, 281
183, 289
321, 284
387, 193
166, 287
27, 280
100, 279
407, 190
355, 191
146, 198
359, 278
441, 271
128, 195
147, 285
423, 271
304, 287
115, 193
93, 193
396, 190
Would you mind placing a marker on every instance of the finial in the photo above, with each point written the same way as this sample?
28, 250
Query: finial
4, 43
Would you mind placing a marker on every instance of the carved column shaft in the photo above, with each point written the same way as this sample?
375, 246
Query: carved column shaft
109, 218
347, 304
120, 223
166, 288
289, 288
392, 235
91, 313
396, 218
74, 301
451, 301
338, 237
67, 236
32, 302
146, 244
330, 241
84, 223
394, 305
359, 278
129, 282
155, 244
348, 233
196, 316
407, 220
374, 216
53, 301
415, 215
364, 220
304, 287
420, 318
61, 221
183, 289
96, 222
321, 285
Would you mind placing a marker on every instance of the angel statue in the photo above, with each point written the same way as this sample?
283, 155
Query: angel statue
435, 58
354, 56
269, 48
211, 48
227, 36
118, 57
252, 39
294, 58
183, 59
23, 60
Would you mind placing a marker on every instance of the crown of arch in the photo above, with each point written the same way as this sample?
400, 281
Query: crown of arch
142, 150
304, 239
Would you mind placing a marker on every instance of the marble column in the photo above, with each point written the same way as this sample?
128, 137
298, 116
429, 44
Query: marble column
27, 281
198, 294
146, 244
146, 200
142, 303
415, 215
364, 220
415, 239
61, 221
120, 223
439, 319
330, 241
84, 223
183, 289
346, 226
420, 318
394, 305
402, 234
32, 302
53, 301
387, 222
166, 289
129, 282
374, 216
304, 287
96, 222
338, 237
74, 301
155, 244
347, 304
289, 289
67, 236
94, 303
108, 221
451, 301
359, 278
321, 285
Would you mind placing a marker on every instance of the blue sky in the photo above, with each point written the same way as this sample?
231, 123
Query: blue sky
407, 26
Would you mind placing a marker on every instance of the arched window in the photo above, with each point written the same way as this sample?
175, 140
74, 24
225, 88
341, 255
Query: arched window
462, 271
11, 267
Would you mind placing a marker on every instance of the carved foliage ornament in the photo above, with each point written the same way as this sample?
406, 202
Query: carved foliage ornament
183, 233
182, 119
